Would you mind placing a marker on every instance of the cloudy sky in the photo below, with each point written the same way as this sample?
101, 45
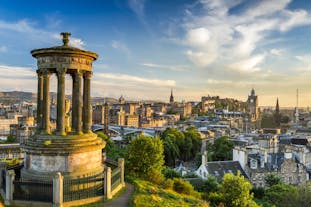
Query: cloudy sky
147, 47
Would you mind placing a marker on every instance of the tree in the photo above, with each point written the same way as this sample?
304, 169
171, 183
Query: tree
145, 157
111, 149
186, 149
211, 184
281, 195
221, 149
285, 119
267, 121
272, 179
10, 138
235, 191
195, 138
173, 141
171, 151
170, 173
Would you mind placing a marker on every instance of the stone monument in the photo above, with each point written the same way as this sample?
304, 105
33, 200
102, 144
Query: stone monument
73, 151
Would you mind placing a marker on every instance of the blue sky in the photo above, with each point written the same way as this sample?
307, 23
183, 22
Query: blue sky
147, 47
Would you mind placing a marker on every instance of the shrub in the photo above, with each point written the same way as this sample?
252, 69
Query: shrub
168, 184
170, 173
181, 186
155, 177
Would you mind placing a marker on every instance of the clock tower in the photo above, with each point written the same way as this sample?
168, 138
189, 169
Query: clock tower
252, 106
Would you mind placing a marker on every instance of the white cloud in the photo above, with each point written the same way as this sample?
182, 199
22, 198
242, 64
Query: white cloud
220, 82
276, 52
76, 42
168, 67
198, 37
137, 6
31, 33
130, 78
294, 19
215, 35
201, 59
267, 7
17, 78
3, 49
120, 46
249, 65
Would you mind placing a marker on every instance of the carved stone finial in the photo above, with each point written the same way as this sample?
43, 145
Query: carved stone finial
66, 36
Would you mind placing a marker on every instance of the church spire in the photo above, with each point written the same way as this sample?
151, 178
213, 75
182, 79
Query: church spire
253, 92
171, 97
277, 115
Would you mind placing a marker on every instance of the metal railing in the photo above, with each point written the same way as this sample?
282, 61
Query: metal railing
115, 178
111, 163
81, 188
33, 190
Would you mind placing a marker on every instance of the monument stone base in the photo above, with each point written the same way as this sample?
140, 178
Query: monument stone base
74, 156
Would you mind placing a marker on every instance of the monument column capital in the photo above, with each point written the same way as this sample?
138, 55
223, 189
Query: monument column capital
61, 71
87, 74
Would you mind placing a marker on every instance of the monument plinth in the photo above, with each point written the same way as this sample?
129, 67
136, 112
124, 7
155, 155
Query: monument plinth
74, 153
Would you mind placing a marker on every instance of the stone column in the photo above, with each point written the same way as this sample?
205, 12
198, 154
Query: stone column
46, 102
58, 190
87, 119
107, 183
39, 100
60, 122
121, 166
9, 188
76, 102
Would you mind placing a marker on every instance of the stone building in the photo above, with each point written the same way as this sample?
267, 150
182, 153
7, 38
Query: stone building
117, 116
252, 106
282, 165
98, 114
266, 158
6, 122
207, 104
11, 151
23, 129
218, 168
132, 120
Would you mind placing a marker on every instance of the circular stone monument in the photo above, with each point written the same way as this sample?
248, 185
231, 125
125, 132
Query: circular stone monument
75, 153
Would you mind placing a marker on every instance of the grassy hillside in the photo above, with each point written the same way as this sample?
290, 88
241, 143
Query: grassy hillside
148, 194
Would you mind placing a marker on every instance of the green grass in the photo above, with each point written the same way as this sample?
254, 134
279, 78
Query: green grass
150, 195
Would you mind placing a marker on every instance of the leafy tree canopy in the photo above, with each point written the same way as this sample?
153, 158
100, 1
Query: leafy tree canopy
235, 191
272, 179
221, 149
144, 157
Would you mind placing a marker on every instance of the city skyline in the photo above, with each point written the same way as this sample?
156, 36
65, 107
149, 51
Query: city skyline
146, 48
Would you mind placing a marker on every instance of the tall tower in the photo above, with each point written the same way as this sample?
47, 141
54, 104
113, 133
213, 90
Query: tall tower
252, 106
73, 151
171, 97
277, 115
296, 111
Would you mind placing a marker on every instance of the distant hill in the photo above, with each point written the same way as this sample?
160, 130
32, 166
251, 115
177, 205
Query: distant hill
101, 100
18, 96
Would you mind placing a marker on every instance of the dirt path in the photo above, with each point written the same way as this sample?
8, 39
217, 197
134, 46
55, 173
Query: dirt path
123, 199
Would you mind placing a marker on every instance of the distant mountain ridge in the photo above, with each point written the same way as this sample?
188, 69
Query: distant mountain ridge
7, 97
